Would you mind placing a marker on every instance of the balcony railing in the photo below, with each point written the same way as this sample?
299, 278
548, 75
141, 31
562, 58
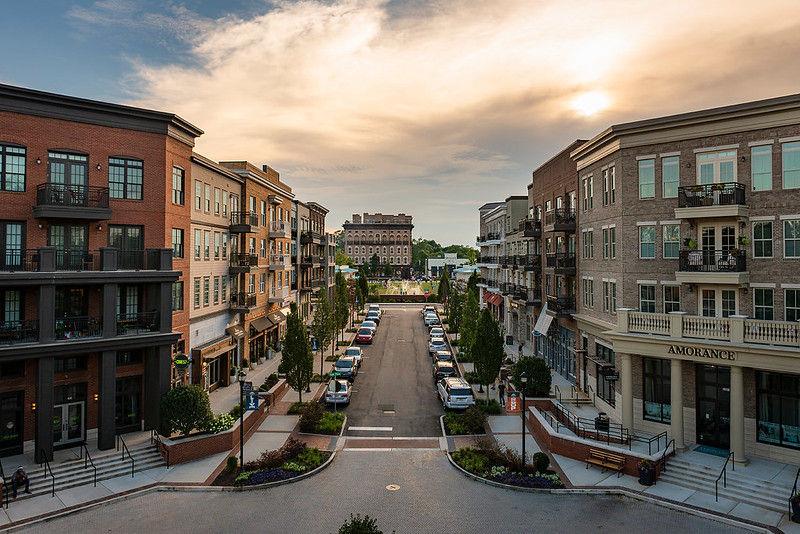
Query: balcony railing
725, 194
243, 300
278, 260
77, 196
713, 261
135, 260
562, 219
244, 218
488, 259
243, 260
533, 262
310, 236
74, 260
564, 304
137, 323
490, 236
280, 293
78, 327
277, 227
531, 228
13, 332
48, 259
561, 260
20, 260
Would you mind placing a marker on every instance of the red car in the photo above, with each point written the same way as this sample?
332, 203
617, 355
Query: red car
364, 336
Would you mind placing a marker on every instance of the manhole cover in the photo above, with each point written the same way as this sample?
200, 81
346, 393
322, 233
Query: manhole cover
392, 487
386, 407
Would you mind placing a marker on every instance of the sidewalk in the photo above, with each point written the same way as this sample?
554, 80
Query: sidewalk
225, 398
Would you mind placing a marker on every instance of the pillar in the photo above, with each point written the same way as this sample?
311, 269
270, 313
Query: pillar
106, 417
44, 409
676, 401
109, 310
737, 415
626, 379
156, 383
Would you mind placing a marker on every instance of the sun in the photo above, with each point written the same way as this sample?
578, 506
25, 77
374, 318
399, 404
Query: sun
590, 103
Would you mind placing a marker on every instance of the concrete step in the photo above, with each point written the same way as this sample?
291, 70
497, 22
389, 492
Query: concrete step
734, 477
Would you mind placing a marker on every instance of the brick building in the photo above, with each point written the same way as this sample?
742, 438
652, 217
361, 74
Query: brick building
309, 255
386, 236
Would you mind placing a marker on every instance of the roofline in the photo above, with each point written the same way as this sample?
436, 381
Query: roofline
517, 197
254, 173
214, 166
490, 205
569, 149
318, 207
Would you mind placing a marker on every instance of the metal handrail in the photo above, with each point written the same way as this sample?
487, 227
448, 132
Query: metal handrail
724, 475
88, 460
124, 450
47, 468
155, 439
593, 395
794, 489
663, 460
583, 426
650, 440
4, 503
557, 392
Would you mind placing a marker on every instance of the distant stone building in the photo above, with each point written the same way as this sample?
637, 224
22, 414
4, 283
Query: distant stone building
451, 261
387, 236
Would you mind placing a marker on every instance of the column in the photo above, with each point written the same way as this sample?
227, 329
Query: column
626, 380
44, 409
109, 310
737, 415
676, 400
106, 417
156, 383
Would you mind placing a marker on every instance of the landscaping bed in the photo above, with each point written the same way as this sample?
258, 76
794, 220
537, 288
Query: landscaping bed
315, 420
293, 459
471, 421
500, 464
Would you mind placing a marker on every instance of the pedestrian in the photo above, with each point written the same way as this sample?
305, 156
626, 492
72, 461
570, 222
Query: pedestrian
501, 393
19, 479
520, 350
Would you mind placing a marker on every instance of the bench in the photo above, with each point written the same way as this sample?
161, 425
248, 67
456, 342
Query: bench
606, 460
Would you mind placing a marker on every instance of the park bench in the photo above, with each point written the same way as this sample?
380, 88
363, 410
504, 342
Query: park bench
606, 460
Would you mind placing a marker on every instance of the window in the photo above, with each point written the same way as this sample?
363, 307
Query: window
647, 178
224, 246
262, 282
12, 168
252, 284
791, 165
792, 304
761, 167
207, 245
11, 301
125, 178
588, 293
177, 296
609, 296
647, 242
207, 198
206, 290
217, 243
224, 288
672, 241
196, 296
198, 195
657, 406
177, 242
670, 176
647, 298
587, 200
716, 167
791, 238
12, 241
177, 185
778, 409
605, 244
612, 171
728, 302
216, 200
198, 241
263, 213
606, 187
605, 386
672, 299
216, 290
763, 301
224, 203
762, 239
588, 244
263, 249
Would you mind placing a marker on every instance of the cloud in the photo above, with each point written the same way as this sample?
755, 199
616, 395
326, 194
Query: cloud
433, 108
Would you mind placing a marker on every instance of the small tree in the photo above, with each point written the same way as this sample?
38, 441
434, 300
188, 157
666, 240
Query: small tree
320, 326
443, 292
388, 271
360, 525
297, 362
342, 303
539, 377
363, 285
472, 282
456, 309
343, 259
184, 408
469, 322
487, 349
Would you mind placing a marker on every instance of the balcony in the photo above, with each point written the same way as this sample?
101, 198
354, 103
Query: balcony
533, 262
504, 261
243, 301
137, 323
60, 201
279, 294
279, 262
73, 328
561, 305
317, 283
491, 238
506, 288
531, 228
560, 220
520, 293
278, 230
562, 262
711, 200
242, 262
311, 237
534, 296
712, 267
243, 222
14, 332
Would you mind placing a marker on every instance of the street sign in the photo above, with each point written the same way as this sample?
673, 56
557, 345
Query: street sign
334, 374
251, 400
314, 344
514, 403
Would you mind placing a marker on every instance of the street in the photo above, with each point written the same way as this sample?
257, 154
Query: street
394, 388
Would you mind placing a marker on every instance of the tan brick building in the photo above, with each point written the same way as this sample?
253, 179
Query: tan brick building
387, 236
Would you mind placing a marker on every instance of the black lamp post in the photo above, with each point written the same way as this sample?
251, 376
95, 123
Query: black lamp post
523, 378
240, 377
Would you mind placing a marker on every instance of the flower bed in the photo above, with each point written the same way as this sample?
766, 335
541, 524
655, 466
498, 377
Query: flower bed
315, 420
290, 461
501, 464
472, 421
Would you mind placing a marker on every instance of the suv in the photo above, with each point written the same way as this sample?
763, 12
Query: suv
431, 320
346, 367
455, 393
338, 392
356, 353
443, 369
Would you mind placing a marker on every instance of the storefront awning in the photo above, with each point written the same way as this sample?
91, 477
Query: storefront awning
236, 331
494, 299
260, 324
543, 322
276, 318
217, 352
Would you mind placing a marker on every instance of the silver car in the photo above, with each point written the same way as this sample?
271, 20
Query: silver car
455, 393
338, 392
436, 345
356, 353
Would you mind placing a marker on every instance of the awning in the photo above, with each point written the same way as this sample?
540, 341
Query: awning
236, 331
494, 299
276, 318
260, 324
543, 322
222, 350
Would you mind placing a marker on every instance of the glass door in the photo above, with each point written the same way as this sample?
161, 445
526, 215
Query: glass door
11, 422
68, 423
713, 406
68, 172
717, 302
128, 410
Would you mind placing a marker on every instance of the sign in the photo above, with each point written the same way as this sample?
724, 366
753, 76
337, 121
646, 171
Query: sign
181, 363
247, 387
334, 374
513, 403
251, 400
702, 352
314, 344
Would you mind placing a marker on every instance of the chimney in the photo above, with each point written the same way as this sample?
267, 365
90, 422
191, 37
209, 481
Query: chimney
356, 218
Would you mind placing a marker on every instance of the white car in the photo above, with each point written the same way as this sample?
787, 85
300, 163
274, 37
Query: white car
436, 344
346, 367
356, 353
455, 393
428, 309
372, 325
375, 308
431, 320
437, 331
338, 392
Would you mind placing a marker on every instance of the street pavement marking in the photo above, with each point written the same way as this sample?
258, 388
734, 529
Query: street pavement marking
370, 428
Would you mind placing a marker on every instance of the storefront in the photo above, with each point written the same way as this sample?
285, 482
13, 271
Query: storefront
215, 359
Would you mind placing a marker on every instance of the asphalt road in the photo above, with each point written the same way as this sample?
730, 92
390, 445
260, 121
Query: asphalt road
432, 498
394, 387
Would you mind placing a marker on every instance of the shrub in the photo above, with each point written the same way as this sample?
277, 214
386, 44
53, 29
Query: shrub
453, 424
311, 458
492, 407
331, 358
294, 467
471, 460
184, 408
242, 478
530, 481
273, 459
540, 462
475, 420
271, 475
471, 377
312, 415
270, 381
360, 525
232, 463
220, 423
320, 378
296, 408
454, 342
236, 411
538, 373
330, 423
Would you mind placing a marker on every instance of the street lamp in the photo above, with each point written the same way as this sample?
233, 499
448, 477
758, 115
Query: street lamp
523, 378
240, 377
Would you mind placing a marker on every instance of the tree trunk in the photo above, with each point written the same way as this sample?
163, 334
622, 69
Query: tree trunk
300, 393
320, 363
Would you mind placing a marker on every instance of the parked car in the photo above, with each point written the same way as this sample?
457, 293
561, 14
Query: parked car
364, 336
356, 353
373, 316
455, 393
375, 307
346, 367
338, 392
428, 309
437, 331
436, 344
369, 324
443, 355
443, 369
432, 320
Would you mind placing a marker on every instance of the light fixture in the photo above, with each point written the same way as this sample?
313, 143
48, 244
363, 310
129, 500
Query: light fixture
99, 226
33, 406
96, 397
98, 167
38, 161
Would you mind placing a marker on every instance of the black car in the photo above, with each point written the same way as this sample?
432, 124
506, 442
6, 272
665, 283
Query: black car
443, 369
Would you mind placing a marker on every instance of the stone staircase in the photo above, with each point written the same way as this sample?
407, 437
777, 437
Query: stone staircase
741, 489
72, 473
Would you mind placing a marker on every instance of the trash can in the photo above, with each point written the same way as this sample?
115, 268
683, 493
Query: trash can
601, 422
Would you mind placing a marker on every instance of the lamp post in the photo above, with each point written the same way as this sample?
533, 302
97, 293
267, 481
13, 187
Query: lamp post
523, 378
240, 377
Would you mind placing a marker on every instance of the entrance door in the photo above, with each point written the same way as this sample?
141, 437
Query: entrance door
713, 405
68, 423
11, 422
717, 302
128, 406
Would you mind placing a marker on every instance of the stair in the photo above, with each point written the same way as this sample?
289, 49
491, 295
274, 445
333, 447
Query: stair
740, 488
71, 473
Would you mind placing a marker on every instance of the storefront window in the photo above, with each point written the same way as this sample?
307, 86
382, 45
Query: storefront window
778, 409
657, 405
559, 353
605, 374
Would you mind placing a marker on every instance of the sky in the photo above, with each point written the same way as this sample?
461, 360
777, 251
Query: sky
430, 108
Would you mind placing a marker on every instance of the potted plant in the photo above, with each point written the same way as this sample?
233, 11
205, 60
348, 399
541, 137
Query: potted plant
744, 241
794, 502
647, 473
690, 243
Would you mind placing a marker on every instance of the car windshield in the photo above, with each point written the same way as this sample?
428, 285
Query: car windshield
335, 387
364, 332
437, 342
460, 392
352, 352
368, 323
347, 364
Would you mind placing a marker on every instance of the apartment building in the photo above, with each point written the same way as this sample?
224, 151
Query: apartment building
261, 227
513, 277
689, 296
386, 236
309, 254
94, 222
216, 194
491, 243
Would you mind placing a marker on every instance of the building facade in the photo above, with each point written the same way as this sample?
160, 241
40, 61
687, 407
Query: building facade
386, 236
94, 222
309, 255
434, 267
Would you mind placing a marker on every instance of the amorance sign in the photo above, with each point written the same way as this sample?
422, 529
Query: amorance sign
702, 352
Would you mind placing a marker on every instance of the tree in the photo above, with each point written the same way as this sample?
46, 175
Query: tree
472, 283
388, 271
297, 362
487, 350
462, 251
184, 408
456, 308
539, 377
374, 263
343, 259
469, 321
360, 525
320, 325
342, 302
443, 292
363, 286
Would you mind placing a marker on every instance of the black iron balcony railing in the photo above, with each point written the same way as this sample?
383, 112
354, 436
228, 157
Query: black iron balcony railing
13, 332
74, 260
521, 293
137, 323
713, 261
531, 228
79, 196
533, 262
243, 259
310, 236
247, 218
243, 300
506, 288
138, 259
561, 304
561, 260
78, 327
19, 260
725, 194
562, 219
488, 259
534, 296
48, 259
503, 260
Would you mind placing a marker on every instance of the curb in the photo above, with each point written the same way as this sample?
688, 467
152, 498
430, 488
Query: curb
625, 492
